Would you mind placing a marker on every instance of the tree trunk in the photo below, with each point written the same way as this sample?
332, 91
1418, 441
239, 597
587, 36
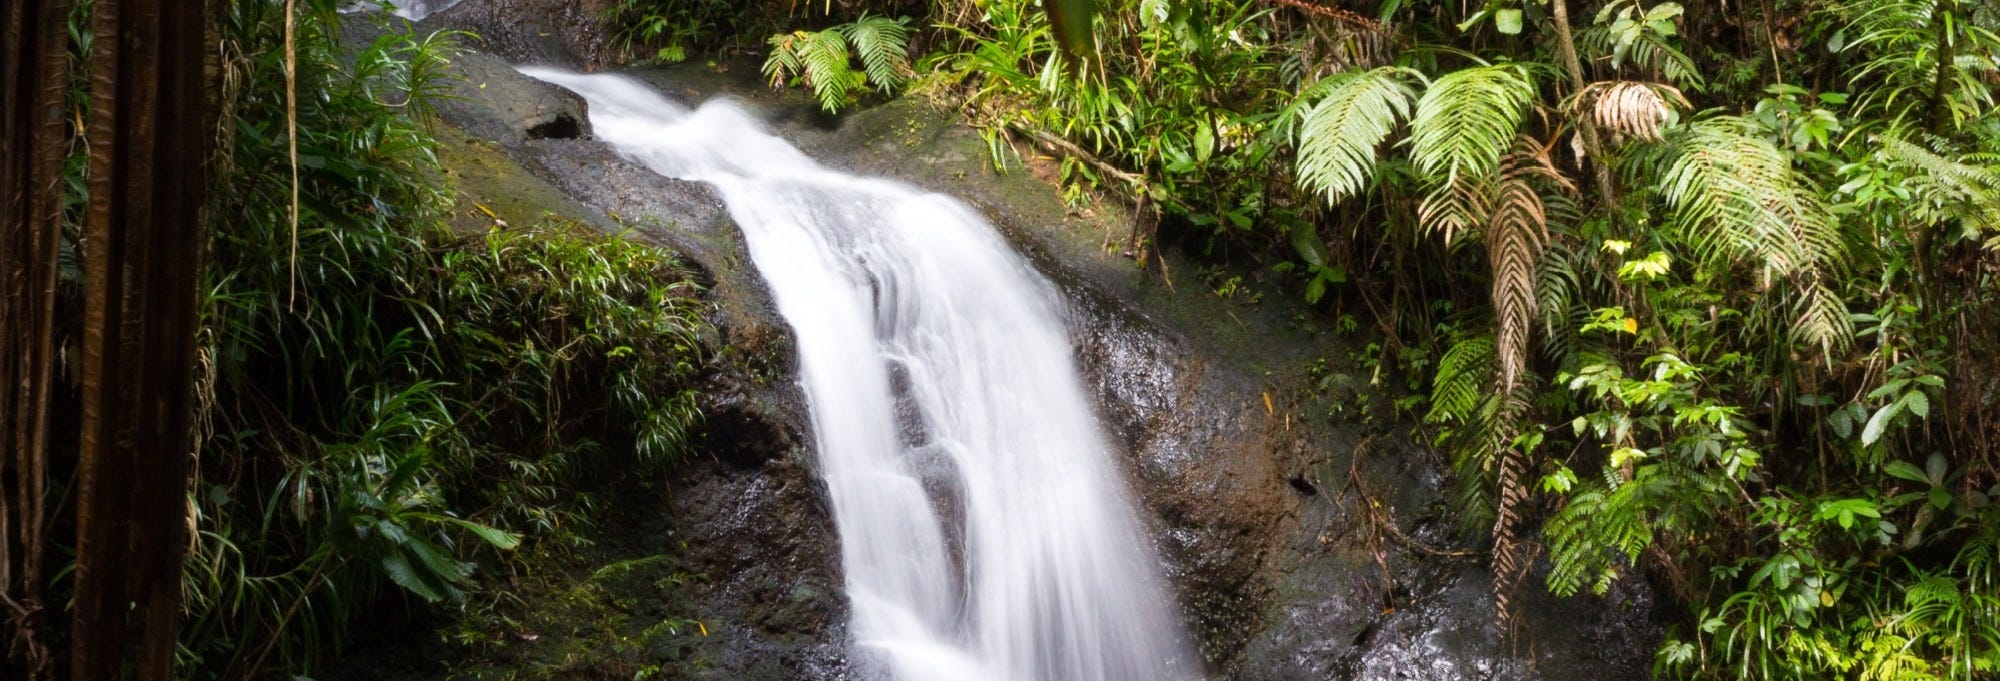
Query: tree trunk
33, 72
141, 260
1592, 144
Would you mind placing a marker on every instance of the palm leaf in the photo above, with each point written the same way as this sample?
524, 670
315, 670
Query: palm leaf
1467, 120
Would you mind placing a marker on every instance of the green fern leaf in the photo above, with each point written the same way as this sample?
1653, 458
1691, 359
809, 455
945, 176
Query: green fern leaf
1463, 124
826, 60
1468, 119
1340, 135
883, 45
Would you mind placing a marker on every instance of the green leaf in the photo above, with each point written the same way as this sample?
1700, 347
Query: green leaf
1906, 470
1918, 403
1878, 423
1841, 422
1305, 239
1845, 510
1508, 21
1940, 498
405, 575
1472, 21
1070, 20
499, 539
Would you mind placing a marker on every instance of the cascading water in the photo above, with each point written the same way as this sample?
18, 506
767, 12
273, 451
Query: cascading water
414, 10
985, 532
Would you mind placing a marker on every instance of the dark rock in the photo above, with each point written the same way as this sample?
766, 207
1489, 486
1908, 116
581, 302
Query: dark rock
494, 102
568, 33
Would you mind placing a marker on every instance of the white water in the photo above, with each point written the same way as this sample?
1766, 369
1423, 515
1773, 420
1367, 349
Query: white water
414, 10
985, 533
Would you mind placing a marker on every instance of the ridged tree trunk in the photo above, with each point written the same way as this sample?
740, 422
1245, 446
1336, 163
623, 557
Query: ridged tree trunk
33, 72
141, 261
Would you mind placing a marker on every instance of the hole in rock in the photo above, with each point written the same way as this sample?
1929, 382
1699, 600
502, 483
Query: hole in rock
564, 127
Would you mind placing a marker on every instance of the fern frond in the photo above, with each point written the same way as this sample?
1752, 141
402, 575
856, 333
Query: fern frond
1514, 248
783, 64
1649, 54
1737, 198
1512, 557
1464, 372
1959, 188
883, 45
1630, 108
1463, 124
826, 59
1340, 134
1902, 45
1467, 120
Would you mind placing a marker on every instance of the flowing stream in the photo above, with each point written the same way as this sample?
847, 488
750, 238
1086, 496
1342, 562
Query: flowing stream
986, 532
414, 10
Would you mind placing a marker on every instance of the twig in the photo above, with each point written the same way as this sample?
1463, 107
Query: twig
1375, 518
1058, 144
1340, 15
292, 134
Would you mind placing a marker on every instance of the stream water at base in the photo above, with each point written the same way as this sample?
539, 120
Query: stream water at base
414, 10
986, 533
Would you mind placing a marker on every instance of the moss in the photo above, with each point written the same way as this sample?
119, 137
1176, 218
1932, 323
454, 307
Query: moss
492, 186
597, 613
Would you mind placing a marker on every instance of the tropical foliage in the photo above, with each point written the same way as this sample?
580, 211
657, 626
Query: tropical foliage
823, 60
386, 404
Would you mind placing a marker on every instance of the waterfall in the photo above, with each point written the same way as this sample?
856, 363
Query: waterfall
414, 10
986, 532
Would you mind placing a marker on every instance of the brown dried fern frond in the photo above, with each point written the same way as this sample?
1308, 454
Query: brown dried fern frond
1629, 108
1516, 235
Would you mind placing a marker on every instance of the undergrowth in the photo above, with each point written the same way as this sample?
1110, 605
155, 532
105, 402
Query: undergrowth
387, 406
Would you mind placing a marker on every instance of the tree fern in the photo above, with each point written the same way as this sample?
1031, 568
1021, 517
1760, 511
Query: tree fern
1339, 135
1463, 124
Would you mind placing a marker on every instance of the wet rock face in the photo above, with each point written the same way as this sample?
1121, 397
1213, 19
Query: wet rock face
494, 102
763, 540
1200, 459
565, 33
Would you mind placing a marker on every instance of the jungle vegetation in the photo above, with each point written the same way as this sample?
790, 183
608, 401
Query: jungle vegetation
1697, 293
381, 403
